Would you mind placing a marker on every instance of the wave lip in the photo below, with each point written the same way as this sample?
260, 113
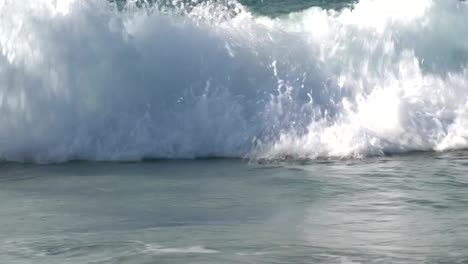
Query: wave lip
81, 80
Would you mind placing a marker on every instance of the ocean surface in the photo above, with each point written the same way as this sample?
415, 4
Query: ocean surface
274, 131
403, 209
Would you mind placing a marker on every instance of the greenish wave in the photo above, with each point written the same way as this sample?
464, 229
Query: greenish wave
271, 8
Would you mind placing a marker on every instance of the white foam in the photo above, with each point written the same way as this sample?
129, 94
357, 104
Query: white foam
157, 249
80, 80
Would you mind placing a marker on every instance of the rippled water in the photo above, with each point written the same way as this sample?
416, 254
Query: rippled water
402, 209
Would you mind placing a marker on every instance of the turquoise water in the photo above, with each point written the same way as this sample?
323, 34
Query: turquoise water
273, 7
280, 7
403, 209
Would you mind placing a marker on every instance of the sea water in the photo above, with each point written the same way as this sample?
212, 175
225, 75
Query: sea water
233, 131
403, 209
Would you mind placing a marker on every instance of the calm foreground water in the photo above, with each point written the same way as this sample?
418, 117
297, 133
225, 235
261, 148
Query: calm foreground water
402, 209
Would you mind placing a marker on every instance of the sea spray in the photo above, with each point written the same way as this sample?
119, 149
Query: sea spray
83, 80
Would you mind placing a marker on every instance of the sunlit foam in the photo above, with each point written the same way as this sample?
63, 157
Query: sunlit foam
62, 7
378, 14
80, 80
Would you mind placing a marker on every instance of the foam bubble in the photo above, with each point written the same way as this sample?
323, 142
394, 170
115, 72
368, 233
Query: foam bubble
157, 249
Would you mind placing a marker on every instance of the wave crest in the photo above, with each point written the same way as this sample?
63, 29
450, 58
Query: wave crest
80, 80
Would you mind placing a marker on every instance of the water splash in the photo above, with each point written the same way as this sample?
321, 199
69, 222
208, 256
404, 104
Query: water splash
81, 80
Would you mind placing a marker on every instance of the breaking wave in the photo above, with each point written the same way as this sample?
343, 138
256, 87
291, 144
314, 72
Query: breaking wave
80, 79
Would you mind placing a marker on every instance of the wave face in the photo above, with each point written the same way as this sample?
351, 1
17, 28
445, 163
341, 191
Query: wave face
80, 80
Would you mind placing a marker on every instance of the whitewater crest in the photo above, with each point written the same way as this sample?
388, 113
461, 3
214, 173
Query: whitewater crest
82, 79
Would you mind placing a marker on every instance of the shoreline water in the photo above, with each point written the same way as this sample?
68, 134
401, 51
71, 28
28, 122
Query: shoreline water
403, 209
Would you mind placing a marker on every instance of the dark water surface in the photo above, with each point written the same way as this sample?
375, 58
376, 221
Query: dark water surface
274, 7
279, 7
402, 209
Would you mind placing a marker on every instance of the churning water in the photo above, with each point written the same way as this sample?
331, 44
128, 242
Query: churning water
87, 80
